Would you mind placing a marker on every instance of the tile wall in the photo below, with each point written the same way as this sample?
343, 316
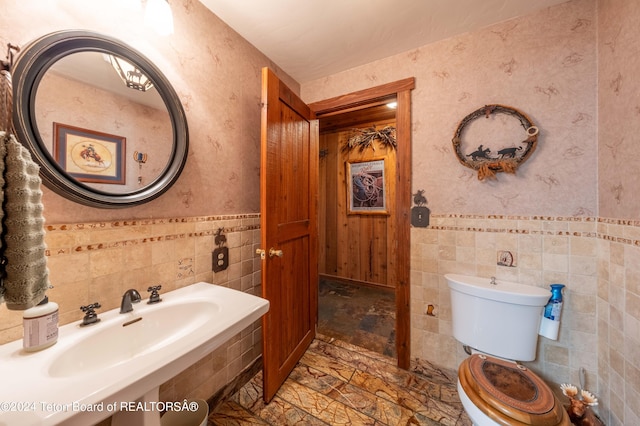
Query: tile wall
598, 261
545, 250
618, 326
98, 261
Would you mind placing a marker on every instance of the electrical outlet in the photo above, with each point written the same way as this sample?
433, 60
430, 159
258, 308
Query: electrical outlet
220, 259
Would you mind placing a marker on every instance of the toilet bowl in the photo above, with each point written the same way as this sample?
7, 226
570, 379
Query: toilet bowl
498, 321
498, 392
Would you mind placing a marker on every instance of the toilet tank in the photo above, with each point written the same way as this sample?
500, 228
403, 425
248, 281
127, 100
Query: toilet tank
500, 319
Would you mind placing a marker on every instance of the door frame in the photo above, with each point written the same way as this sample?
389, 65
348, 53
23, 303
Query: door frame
401, 91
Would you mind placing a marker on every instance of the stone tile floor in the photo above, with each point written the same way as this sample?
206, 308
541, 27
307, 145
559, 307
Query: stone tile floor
338, 383
362, 315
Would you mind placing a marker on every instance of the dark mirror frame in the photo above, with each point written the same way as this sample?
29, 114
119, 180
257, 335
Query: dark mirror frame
27, 72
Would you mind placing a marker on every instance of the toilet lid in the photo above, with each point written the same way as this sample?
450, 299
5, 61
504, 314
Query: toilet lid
511, 390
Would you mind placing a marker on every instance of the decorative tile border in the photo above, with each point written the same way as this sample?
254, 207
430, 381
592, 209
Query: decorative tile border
493, 224
615, 230
140, 222
510, 217
623, 231
57, 251
626, 222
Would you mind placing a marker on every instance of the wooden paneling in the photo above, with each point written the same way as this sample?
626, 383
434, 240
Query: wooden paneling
354, 246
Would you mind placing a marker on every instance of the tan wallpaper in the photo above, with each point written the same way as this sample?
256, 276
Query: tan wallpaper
619, 112
542, 65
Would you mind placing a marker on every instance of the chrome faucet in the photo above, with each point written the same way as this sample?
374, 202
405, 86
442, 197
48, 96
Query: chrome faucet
130, 296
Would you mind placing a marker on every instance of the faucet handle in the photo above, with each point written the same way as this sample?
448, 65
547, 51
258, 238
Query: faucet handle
155, 296
90, 315
90, 308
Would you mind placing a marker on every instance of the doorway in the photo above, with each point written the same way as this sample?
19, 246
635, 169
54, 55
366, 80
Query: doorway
337, 112
356, 302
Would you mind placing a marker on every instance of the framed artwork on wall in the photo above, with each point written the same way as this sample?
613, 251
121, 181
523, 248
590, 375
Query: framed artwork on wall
367, 187
89, 156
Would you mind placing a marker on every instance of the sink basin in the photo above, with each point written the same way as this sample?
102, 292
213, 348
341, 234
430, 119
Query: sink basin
92, 372
136, 335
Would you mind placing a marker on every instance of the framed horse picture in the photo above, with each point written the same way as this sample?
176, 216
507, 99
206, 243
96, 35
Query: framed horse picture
90, 156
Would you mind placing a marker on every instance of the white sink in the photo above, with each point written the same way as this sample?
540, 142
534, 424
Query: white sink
123, 340
122, 359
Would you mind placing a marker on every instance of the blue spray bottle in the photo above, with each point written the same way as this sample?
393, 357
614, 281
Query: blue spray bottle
550, 324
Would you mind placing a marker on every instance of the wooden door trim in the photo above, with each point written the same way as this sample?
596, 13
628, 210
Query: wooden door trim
403, 229
401, 90
361, 98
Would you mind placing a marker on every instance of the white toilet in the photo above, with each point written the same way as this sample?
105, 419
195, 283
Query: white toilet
499, 322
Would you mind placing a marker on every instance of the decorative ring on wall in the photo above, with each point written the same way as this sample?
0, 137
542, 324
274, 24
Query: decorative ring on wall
507, 159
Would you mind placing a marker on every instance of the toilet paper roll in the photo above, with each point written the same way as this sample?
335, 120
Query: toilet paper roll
549, 328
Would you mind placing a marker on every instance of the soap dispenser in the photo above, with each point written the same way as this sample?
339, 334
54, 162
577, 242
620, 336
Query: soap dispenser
550, 323
40, 326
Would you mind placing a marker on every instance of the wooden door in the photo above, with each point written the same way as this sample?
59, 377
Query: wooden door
289, 234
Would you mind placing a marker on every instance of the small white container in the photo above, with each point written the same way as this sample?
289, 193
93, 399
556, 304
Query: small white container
549, 328
40, 326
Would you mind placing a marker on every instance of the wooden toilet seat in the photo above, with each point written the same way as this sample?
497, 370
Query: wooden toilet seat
508, 393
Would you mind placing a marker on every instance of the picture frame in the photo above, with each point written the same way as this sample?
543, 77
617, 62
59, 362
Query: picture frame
367, 187
90, 156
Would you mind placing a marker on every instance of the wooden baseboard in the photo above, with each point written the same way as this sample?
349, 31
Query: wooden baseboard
232, 387
355, 282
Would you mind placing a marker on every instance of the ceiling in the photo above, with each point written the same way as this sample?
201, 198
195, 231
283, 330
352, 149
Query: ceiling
311, 39
374, 114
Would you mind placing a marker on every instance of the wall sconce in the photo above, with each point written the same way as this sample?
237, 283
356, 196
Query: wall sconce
158, 16
130, 74
140, 158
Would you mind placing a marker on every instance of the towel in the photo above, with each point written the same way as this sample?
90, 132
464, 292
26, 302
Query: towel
27, 275
6, 99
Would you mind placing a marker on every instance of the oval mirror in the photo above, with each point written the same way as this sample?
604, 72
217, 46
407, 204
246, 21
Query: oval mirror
101, 120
